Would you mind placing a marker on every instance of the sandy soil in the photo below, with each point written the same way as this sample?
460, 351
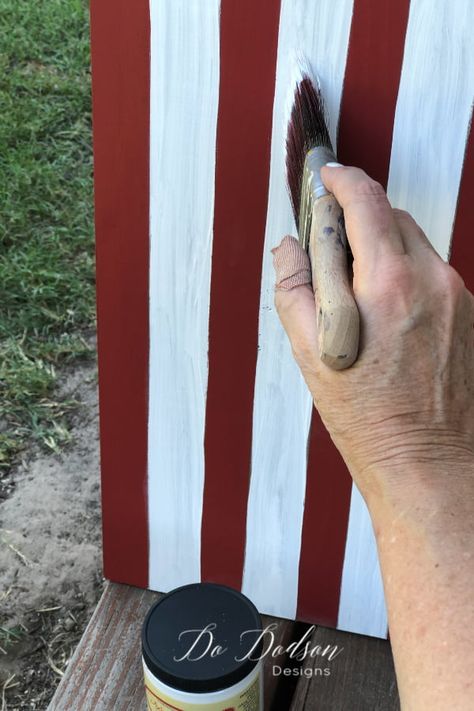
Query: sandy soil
50, 554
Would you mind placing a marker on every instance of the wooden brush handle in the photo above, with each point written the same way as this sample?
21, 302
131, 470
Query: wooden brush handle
338, 317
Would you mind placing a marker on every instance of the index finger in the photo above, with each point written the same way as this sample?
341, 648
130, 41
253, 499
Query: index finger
372, 230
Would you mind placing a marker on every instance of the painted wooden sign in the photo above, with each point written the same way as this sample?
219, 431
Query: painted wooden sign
214, 464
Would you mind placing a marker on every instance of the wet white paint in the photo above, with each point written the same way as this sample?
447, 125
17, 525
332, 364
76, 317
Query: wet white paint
433, 114
431, 123
318, 33
184, 101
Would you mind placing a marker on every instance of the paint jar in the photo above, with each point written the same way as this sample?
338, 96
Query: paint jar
201, 646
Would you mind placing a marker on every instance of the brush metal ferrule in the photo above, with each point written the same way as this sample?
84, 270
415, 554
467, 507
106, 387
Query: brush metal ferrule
312, 188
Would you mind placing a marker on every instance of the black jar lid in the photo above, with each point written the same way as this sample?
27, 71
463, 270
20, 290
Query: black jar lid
193, 607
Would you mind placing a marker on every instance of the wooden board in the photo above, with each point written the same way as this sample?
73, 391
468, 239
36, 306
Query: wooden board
208, 435
362, 676
105, 673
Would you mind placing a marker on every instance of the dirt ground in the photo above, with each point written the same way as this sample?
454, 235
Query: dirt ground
50, 554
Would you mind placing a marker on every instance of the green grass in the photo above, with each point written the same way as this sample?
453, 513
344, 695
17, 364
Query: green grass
46, 241
10, 635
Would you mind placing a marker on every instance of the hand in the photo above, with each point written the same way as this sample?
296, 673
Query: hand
409, 398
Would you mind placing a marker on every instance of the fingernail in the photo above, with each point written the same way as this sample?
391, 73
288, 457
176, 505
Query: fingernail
334, 165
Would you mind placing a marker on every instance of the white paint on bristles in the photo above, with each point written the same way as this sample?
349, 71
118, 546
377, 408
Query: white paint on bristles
282, 406
434, 110
184, 101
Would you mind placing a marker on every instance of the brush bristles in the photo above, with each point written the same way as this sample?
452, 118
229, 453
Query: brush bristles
306, 130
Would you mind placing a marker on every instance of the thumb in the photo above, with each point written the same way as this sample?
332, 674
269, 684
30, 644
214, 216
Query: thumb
295, 301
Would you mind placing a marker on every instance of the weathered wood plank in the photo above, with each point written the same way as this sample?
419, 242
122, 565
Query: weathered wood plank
362, 675
278, 691
105, 672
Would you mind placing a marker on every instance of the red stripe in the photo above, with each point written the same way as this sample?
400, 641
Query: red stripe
120, 59
248, 41
328, 492
371, 83
462, 243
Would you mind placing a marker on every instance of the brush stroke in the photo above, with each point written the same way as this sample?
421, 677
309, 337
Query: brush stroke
429, 136
371, 78
433, 115
184, 101
317, 32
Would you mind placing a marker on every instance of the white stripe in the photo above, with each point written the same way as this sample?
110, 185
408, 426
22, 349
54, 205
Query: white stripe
184, 101
433, 113
430, 130
319, 31
361, 604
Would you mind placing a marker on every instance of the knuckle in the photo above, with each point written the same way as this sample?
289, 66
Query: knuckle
450, 281
365, 187
396, 278
407, 222
402, 215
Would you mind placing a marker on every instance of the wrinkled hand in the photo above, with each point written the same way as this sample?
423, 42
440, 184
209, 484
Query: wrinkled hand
409, 398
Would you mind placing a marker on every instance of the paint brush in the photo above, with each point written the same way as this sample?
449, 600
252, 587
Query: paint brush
320, 223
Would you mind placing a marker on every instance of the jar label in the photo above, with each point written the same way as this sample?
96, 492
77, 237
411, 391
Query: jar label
246, 700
